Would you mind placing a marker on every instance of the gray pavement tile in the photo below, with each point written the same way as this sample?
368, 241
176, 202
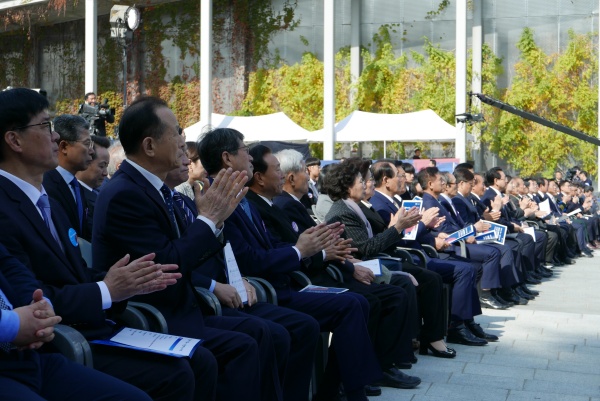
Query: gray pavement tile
437, 364
581, 349
517, 395
500, 371
580, 357
592, 342
574, 379
516, 361
486, 349
429, 375
489, 381
558, 387
471, 393
578, 367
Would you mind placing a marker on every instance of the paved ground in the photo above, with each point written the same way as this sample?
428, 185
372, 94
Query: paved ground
548, 350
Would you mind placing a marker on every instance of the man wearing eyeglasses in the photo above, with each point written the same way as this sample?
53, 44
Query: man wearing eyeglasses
75, 153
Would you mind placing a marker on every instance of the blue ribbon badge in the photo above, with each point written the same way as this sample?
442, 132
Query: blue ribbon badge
73, 237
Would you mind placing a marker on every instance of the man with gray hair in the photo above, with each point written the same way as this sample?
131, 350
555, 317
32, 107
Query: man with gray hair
116, 155
75, 151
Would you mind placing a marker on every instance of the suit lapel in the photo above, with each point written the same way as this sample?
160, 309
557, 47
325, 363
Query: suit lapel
152, 193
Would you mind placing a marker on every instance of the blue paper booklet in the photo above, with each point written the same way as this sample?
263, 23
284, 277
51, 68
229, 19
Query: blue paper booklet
411, 232
463, 233
486, 237
500, 231
148, 341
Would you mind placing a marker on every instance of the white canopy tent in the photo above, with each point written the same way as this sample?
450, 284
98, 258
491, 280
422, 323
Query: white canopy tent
270, 127
418, 126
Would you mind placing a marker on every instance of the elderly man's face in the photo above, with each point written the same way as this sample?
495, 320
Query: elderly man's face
273, 178
170, 147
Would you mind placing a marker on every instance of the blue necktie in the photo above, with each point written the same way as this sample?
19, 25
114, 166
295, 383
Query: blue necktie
44, 204
4, 306
166, 192
246, 208
189, 215
77, 191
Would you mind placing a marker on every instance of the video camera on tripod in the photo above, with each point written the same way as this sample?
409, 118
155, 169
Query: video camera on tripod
97, 115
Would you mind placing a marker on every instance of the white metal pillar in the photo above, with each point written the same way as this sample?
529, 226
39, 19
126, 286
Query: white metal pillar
461, 77
206, 61
328, 80
476, 83
354, 44
91, 47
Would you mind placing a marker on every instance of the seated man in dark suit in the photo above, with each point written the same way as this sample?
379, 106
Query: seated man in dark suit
93, 177
392, 314
459, 272
135, 212
352, 359
26, 323
289, 365
41, 238
510, 273
313, 167
75, 150
533, 251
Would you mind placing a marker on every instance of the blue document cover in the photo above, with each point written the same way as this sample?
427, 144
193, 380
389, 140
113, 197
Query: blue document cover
463, 233
499, 231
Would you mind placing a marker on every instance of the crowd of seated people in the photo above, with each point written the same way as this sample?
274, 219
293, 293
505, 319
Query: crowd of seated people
167, 219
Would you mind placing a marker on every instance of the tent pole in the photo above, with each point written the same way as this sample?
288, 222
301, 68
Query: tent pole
384, 149
329, 81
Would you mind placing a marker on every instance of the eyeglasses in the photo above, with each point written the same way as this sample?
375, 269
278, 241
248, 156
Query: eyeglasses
49, 124
244, 148
451, 183
88, 143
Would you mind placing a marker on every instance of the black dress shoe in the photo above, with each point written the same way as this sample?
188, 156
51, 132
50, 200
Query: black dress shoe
462, 335
541, 272
587, 254
398, 379
372, 391
508, 295
491, 303
476, 329
426, 347
529, 279
519, 291
569, 261
528, 290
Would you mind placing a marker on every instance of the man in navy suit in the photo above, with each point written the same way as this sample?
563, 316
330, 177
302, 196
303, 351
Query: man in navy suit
511, 262
352, 358
532, 251
135, 212
93, 177
41, 237
75, 152
389, 181
26, 323
289, 367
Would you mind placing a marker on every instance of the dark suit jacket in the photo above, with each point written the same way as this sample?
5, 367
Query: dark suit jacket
90, 198
131, 217
64, 277
280, 225
257, 252
16, 281
449, 225
505, 216
294, 210
356, 229
59, 190
466, 209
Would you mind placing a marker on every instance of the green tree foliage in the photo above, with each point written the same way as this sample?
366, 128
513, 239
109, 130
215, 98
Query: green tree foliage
560, 87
